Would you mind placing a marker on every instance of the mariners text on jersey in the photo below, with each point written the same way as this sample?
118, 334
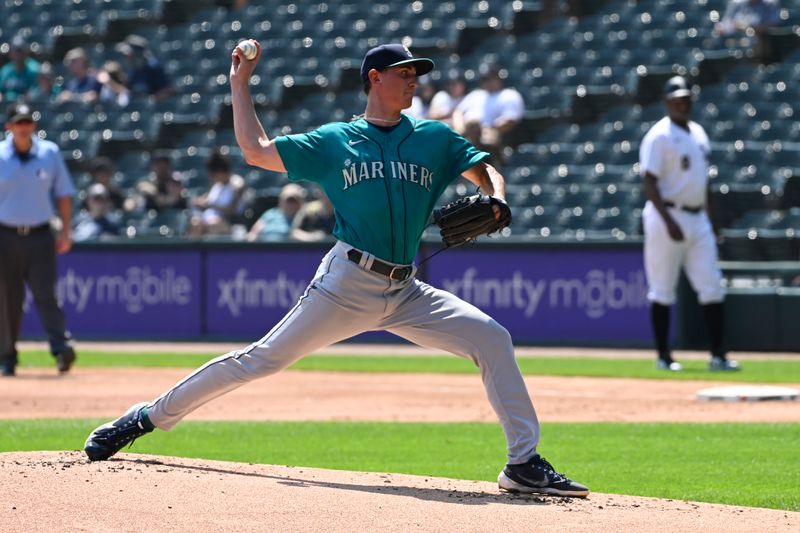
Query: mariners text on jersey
383, 181
357, 172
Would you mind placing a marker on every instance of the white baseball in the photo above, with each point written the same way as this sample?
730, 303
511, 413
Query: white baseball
248, 49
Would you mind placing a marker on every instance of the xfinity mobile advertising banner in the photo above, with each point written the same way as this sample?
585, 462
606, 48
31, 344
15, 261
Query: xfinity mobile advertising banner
118, 293
542, 295
582, 294
250, 291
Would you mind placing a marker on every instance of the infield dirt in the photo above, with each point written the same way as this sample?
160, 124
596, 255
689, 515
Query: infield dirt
62, 491
106, 393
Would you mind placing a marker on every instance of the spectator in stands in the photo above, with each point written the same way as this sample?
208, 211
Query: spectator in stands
444, 102
46, 89
489, 113
97, 221
112, 78
145, 74
741, 15
753, 19
102, 171
82, 86
276, 223
18, 76
421, 103
164, 188
314, 221
215, 211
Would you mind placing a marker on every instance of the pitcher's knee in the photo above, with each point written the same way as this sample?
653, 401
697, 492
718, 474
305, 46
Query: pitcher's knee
501, 334
493, 340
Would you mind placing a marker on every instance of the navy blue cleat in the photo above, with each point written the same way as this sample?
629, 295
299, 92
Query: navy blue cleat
539, 477
110, 438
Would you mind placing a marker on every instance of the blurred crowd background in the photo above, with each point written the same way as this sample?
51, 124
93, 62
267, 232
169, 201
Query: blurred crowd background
136, 95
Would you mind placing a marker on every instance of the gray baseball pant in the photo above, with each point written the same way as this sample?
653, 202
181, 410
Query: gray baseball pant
345, 299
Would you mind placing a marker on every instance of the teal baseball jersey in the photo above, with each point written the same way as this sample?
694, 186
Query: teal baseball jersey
383, 184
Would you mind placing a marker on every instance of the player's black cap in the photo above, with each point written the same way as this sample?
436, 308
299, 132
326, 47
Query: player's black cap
677, 87
18, 113
393, 55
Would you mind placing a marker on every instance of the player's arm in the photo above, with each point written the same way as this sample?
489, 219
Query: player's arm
258, 149
652, 193
64, 237
488, 179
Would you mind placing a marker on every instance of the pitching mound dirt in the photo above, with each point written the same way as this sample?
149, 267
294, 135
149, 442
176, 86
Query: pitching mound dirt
62, 491
105, 393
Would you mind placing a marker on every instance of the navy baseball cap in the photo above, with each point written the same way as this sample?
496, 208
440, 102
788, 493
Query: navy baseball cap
19, 112
677, 87
393, 55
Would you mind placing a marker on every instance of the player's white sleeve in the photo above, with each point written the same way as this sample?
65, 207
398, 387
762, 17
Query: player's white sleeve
651, 155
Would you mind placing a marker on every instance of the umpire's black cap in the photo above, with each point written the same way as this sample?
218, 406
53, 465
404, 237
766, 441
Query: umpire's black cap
393, 55
677, 87
18, 113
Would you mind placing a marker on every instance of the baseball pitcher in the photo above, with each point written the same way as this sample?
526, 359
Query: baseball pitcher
383, 172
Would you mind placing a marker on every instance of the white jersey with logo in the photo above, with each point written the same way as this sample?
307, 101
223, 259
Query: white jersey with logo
679, 159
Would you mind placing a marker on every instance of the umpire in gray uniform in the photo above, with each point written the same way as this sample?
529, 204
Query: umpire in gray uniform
35, 185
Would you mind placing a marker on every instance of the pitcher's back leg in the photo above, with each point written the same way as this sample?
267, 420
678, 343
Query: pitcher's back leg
315, 322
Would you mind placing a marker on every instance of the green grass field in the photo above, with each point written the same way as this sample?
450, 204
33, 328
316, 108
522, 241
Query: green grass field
762, 371
738, 464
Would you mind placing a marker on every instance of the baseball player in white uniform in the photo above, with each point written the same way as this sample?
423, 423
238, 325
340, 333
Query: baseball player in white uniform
677, 230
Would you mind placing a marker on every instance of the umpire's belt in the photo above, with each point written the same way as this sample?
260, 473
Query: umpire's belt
26, 230
688, 208
397, 273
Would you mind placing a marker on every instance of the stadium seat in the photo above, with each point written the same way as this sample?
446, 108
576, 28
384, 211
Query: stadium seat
132, 166
779, 245
739, 245
759, 219
618, 51
167, 223
790, 220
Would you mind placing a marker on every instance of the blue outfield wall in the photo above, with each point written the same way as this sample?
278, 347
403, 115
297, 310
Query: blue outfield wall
585, 294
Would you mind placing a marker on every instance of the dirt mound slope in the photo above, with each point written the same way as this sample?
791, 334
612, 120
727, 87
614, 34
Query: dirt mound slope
106, 393
62, 491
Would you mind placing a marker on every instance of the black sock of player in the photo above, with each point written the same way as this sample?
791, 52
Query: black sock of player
714, 321
659, 315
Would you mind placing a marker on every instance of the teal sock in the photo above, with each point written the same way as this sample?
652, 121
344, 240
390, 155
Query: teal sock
145, 418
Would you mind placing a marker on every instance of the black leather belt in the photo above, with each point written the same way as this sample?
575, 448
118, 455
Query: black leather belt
687, 208
26, 230
397, 273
